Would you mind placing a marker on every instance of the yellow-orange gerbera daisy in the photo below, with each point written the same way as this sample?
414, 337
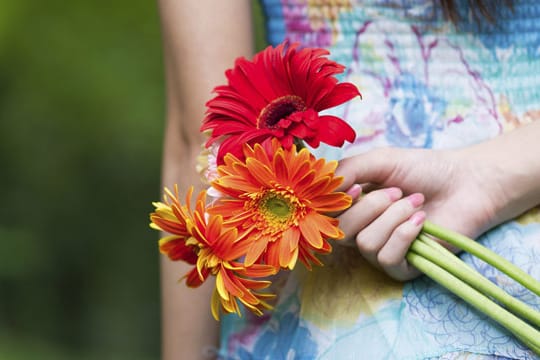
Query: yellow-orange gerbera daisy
279, 197
203, 240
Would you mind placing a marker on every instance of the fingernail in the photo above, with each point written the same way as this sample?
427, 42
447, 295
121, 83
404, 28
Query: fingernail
354, 191
418, 218
416, 199
393, 193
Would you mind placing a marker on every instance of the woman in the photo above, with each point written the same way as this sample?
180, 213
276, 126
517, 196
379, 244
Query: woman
453, 94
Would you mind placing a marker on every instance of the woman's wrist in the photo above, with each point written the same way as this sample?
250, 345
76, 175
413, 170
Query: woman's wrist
509, 167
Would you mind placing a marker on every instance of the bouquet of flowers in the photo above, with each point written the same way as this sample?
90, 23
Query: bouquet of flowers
271, 197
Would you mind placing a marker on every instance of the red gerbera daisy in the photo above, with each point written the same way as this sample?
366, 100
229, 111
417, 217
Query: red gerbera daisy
279, 95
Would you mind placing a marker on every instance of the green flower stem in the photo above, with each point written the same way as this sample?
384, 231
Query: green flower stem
534, 348
484, 254
522, 330
439, 255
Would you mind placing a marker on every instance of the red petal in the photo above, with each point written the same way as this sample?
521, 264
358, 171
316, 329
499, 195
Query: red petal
178, 250
340, 93
234, 144
194, 280
334, 131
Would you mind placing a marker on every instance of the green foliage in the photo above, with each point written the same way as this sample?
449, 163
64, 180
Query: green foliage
81, 122
81, 114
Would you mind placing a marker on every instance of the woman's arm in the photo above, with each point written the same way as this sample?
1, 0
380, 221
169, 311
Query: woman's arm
201, 40
468, 190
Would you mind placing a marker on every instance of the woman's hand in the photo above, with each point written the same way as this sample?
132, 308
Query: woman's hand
469, 191
455, 192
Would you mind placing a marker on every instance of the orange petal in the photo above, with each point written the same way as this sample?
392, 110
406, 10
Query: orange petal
256, 249
294, 258
255, 284
280, 167
213, 229
326, 227
308, 227
226, 286
260, 153
307, 258
291, 236
227, 248
315, 188
262, 173
272, 254
256, 270
173, 227
285, 254
331, 202
233, 186
288, 247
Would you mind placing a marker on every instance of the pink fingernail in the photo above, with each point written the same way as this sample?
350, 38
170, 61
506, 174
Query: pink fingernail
416, 199
393, 193
418, 218
354, 191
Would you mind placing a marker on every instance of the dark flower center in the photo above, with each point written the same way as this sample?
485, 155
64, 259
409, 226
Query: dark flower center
278, 109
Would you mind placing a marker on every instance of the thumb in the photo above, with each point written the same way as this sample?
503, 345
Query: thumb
375, 167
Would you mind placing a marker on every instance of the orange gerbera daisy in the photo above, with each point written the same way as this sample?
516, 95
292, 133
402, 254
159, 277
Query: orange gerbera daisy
214, 249
279, 197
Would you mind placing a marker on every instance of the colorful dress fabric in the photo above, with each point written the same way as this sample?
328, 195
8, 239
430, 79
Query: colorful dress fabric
425, 84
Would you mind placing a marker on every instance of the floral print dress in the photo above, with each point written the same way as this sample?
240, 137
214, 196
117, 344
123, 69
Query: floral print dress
426, 84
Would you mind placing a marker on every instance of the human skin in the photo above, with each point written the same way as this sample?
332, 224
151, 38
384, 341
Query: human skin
468, 190
490, 182
201, 40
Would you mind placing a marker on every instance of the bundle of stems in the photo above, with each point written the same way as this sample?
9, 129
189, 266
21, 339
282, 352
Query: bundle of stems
441, 265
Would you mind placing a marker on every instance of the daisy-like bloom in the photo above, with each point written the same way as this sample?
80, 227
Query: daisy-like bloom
279, 95
203, 240
279, 198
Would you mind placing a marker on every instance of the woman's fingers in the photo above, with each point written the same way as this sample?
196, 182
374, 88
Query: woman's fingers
384, 225
365, 210
354, 191
375, 166
384, 242
391, 257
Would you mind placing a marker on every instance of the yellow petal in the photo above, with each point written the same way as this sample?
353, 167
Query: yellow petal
220, 286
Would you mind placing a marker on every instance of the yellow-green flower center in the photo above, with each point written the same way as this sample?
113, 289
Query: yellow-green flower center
276, 207
276, 210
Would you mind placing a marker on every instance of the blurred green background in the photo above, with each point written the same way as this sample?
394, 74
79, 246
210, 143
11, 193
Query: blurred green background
81, 122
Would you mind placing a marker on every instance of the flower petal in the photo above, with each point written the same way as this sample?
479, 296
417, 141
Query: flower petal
331, 202
255, 250
308, 227
334, 131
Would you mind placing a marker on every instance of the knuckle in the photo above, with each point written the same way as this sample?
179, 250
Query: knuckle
370, 200
376, 201
365, 245
403, 209
403, 233
386, 261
